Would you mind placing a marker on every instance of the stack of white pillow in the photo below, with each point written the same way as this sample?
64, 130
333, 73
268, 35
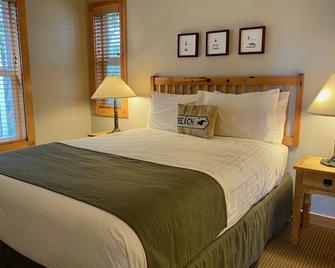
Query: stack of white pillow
256, 115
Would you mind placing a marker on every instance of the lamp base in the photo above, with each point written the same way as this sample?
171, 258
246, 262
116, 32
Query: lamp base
116, 119
329, 162
116, 130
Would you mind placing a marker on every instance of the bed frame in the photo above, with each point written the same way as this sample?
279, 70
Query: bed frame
240, 85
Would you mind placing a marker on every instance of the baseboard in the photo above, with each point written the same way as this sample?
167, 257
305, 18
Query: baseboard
322, 220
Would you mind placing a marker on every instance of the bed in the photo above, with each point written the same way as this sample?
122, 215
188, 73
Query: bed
60, 230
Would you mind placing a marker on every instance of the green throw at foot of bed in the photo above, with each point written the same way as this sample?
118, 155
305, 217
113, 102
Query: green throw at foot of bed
239, 247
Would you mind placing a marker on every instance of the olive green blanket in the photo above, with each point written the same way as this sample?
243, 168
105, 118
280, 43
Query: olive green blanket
175, 212
239, 247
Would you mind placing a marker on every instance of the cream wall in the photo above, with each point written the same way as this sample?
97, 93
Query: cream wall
58, 55
300, 38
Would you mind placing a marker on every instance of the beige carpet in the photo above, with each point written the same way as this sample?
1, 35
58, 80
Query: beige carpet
316, 249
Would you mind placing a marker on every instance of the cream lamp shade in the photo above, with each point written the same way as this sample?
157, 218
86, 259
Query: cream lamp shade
113, 87
324, 103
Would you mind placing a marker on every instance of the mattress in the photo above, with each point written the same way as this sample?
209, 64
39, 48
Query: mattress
62, 232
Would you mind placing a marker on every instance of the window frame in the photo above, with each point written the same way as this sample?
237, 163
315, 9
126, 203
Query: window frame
26, 82
101, 8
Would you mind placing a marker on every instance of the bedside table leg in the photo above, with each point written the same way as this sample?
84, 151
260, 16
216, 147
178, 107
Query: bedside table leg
306, 209
296, 224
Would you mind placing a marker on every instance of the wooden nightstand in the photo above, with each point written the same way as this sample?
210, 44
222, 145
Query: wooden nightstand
99, 134
311, 178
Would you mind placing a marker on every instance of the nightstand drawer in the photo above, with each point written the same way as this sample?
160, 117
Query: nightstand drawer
315, 180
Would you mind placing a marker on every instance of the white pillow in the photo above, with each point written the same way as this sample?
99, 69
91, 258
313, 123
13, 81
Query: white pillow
203, 96
164, 109
250, 115
282, 109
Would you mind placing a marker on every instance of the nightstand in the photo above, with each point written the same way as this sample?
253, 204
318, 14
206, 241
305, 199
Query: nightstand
311, 178
99, 134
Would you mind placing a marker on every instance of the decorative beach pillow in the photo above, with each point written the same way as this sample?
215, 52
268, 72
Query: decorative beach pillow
197, 120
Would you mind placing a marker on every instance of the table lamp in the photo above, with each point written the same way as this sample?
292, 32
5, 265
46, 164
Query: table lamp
324, 104
113, 87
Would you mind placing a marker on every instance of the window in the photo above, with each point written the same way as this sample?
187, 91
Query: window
16, 121
108, 50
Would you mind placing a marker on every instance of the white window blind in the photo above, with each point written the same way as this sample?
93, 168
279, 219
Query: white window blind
107, 47
12, 112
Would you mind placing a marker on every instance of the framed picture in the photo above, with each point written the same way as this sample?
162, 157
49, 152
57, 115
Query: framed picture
217, 43
188, 45
252, 40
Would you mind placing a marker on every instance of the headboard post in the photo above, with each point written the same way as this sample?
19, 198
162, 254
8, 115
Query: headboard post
152, 82
298, 110
241, 85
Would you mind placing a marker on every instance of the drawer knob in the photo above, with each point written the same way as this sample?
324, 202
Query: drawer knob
327, 182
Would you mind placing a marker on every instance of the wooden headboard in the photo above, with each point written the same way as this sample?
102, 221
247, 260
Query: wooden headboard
240, 85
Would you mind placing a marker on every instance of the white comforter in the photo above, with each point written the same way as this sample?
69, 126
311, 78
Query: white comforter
58, 231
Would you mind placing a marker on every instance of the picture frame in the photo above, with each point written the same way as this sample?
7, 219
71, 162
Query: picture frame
188, 45
252, 40
217, 43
